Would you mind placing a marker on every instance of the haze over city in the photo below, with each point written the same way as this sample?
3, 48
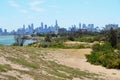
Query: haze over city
15, 13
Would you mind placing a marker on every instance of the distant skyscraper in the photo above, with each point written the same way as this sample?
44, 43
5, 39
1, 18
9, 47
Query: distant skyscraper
57, 27
23, 26
84, 26
1, 30
90, 27
42, 24
56, 24
46, 26
109, 26
79, 25
5, 31
28, 26
32, 26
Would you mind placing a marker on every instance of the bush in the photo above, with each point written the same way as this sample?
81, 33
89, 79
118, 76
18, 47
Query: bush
88, 38
20, 39
34, 44
118, 46
104, 55
74, 46
93, 58
102, 47
45, 44
15, 44
107, 59
57, 45
71, 38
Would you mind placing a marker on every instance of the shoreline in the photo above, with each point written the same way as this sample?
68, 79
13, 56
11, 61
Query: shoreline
9, 39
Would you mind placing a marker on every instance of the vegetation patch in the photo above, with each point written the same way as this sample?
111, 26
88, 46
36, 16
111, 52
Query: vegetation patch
69, 73
4, 67
24, 62
39, 67
104, 55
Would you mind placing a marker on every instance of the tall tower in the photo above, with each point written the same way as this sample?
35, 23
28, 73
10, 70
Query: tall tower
42, 24
56, 24
56, 27
84, 26
79, 25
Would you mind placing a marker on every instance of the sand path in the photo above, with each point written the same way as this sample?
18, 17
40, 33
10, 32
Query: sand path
76, 58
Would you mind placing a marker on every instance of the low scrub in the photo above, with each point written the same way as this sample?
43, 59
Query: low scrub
104, 55
58, 45
88, 38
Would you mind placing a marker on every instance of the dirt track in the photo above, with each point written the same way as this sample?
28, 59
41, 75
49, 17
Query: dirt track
76, 58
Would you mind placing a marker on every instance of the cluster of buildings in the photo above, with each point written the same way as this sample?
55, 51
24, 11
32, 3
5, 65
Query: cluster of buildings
46, 29
109, 26
43, 28
30, 29
89, 27
3, 31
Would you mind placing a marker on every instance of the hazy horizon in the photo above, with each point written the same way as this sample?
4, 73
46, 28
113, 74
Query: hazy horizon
15, 13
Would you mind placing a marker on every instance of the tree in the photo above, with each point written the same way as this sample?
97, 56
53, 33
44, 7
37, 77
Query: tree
112, 37
48, 38
20, 39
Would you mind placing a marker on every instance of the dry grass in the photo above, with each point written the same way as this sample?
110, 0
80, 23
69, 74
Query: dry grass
34, 65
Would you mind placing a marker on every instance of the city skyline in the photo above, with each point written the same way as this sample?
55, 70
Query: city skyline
15, 13
44, 28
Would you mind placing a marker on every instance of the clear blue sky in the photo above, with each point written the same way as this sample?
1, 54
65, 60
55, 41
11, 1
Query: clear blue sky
15, 13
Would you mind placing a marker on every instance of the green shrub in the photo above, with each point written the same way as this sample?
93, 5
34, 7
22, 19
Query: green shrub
15, 44
88, 38
104, 55
102, 47
71, 38
34, 44
96, 47
118, 46
116, 64
57, 45
107, 58
93, 58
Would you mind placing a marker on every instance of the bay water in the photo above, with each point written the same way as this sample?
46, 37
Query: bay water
9, 39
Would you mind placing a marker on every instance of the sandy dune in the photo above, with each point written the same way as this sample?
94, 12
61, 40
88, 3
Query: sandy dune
76, 58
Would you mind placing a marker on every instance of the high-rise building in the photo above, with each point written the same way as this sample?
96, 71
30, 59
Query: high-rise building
90, 27
5, 31
57, 27
42, 24
56, 24
1, 31
32, 26
79, 25
109, 26
84, 26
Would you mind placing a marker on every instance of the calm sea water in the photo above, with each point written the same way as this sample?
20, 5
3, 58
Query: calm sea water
8, 40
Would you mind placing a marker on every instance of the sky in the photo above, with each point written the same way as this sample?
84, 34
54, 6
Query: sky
15, 13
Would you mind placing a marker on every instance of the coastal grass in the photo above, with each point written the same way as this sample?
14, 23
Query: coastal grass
39, 67
24, 62
4, 67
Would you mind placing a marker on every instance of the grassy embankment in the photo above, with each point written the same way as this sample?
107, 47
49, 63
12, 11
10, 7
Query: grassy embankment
18, 63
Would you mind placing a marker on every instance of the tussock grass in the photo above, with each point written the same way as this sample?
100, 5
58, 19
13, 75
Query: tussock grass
24, 62
39, 67
4, 67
